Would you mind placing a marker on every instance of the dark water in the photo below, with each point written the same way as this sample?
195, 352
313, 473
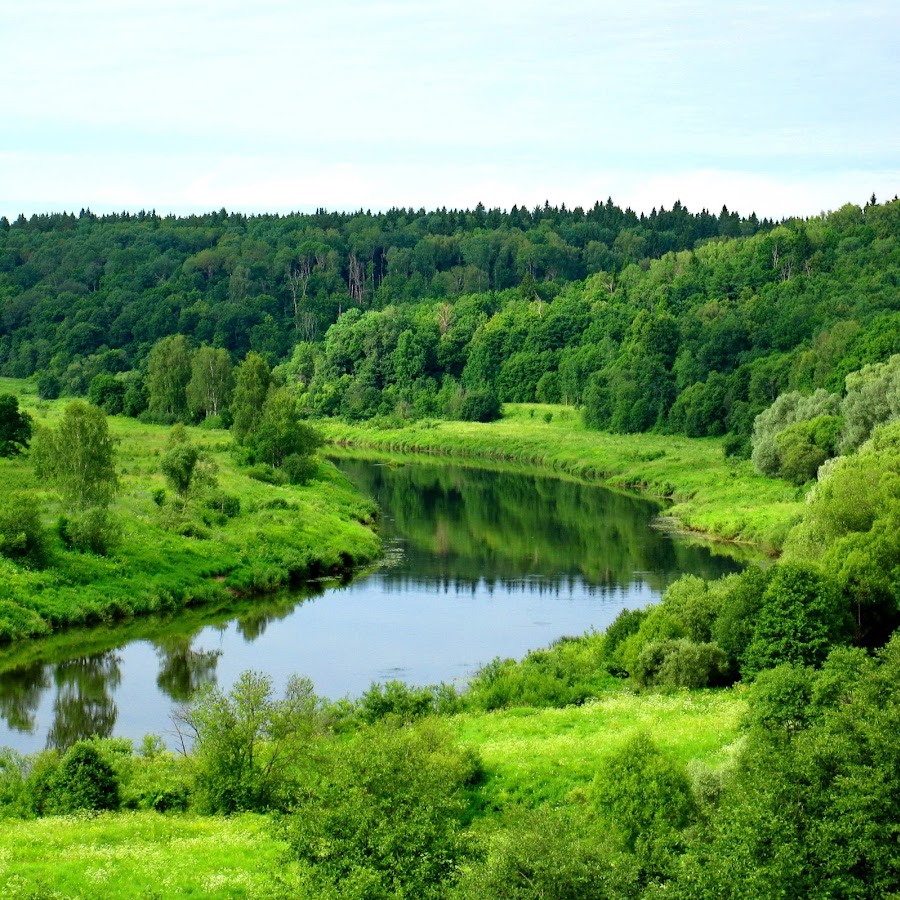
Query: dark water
478, 564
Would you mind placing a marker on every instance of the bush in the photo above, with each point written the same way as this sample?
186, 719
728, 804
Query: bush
245, 740
49, 387
107, 392
788, 409
625, 624
93, 530
385, 814
741, 602
225, 504
266, 474
22, 535
84, 780
398, 701
480, 406
644, 796
680, 664
299, 469
802, 617
547, 853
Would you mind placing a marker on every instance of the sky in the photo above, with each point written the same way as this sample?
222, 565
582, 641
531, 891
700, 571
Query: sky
279, 105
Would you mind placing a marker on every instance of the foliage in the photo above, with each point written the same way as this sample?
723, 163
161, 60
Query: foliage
645, 798
251, 389
873, 398
91, 530
16, 426
279, 433
83, 781
212, 382
168, 374
22, 534
108, 393
812, 807
244, 741
384, 818
555, 853
79, 458
771, 446
801, 618
480, 406
680, 663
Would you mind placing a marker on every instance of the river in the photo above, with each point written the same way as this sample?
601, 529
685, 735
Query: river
478, 564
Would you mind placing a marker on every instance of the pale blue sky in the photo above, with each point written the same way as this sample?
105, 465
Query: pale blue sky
274, 105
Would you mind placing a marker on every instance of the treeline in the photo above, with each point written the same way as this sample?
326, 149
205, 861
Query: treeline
79, 286
699, 342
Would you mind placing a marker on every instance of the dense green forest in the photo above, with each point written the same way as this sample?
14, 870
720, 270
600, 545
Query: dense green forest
675, 322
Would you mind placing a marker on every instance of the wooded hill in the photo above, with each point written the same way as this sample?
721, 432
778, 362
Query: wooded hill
674, 321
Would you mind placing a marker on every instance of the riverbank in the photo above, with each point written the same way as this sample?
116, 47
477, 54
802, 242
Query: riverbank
165, 559
711, 494
529, 759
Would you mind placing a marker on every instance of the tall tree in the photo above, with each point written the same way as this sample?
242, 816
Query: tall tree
168, 375
15, 426
250, 391
212, 382
78, 457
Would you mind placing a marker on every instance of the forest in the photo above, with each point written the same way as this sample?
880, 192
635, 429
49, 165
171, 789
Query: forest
736, 740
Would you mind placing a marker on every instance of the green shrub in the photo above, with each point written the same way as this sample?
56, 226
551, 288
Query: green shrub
680, 664
93, 530
107, 392
385, 813
266, 474
49, 387
245, 741
223, 503
38, 788
802, 617
84, 780
299, 469
480, 406
625, 624
12, 784
22, 535
547, 853
644, 797
396, 700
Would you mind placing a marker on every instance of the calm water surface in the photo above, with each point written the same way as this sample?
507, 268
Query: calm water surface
478, 564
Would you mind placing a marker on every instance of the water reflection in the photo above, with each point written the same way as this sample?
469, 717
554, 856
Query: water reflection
182, 669
84, 706
465, 526
20, 695
477, 564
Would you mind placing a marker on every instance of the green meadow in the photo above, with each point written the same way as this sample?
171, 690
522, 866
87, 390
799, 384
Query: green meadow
166, 558
529, 757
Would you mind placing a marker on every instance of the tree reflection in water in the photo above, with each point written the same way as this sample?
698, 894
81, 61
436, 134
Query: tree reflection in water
182, 670
20, 695
84, 706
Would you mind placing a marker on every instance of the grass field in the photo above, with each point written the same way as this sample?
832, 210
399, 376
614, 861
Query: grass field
137, 855
533, 756
530, 758
164, 561
721, 497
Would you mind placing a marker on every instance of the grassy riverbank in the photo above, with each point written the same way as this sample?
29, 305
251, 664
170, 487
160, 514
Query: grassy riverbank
721, 497
530, 757
167, 559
